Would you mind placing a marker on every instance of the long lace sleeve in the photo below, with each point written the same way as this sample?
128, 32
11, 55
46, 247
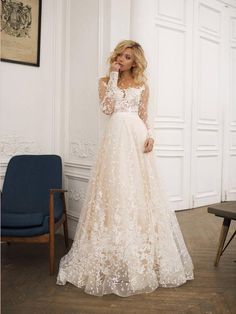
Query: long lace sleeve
143, 111
107, 91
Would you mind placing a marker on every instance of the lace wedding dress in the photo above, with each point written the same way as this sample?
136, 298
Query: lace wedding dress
128, 240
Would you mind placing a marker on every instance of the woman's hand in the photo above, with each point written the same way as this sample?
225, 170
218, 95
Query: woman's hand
148, 145
115, 66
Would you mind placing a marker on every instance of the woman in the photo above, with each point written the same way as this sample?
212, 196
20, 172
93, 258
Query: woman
127, 241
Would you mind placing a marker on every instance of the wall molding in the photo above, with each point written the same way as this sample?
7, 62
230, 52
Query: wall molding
82, 148
11, 145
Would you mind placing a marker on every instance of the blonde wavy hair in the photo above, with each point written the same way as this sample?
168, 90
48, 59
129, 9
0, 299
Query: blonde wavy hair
141, 63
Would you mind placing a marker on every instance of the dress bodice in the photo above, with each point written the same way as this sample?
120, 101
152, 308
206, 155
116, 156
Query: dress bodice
132, 99
127, 99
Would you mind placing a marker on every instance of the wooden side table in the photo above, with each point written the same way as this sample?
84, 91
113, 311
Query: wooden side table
226, 210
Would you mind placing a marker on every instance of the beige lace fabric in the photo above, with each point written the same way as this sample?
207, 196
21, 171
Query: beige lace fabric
128, 240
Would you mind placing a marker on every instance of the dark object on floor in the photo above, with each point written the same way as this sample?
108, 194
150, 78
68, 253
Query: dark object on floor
226, 210
33, 201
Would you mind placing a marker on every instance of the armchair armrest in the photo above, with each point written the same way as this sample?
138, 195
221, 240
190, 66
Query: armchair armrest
51, 207
51, 201
58, 190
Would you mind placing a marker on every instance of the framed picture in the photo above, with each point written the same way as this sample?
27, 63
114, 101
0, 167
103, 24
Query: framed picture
20, 31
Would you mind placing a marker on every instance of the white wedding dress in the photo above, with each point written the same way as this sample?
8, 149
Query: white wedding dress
128, 240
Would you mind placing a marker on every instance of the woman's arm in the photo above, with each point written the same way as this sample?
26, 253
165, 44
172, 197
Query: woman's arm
143, 110
107, 92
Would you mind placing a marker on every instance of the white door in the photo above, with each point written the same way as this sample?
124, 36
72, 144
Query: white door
172, 97
207, 118
229, 103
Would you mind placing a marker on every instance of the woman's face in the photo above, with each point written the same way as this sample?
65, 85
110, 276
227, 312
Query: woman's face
125, 59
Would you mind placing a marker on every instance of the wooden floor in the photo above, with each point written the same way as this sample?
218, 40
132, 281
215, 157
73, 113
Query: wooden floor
27, 287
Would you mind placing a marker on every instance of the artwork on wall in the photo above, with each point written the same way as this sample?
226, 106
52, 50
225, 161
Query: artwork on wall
20, 31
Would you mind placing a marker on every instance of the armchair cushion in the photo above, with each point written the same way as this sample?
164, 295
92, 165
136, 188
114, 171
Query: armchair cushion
21, 220
27, 232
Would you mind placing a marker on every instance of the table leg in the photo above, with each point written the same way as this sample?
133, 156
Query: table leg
223, 235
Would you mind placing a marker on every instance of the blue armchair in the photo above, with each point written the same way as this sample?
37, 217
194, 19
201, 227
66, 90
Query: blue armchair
33, 202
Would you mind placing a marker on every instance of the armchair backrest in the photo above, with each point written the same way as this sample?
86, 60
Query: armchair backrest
27, 182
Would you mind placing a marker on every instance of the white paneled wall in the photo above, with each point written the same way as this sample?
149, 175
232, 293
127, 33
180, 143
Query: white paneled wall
229, 105
207, 122
192, 96
173, 27
211, 106
81, 104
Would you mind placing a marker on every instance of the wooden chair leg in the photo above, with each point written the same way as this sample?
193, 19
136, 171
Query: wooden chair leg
51, 234
223, 235
52, 253
65, 226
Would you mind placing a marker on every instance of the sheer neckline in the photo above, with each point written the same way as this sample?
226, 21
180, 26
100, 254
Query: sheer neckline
130, 87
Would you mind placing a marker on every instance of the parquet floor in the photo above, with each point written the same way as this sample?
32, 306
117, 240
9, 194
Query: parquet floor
28, 288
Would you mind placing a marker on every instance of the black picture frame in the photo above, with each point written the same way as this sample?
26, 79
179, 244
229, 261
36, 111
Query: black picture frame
25, 21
